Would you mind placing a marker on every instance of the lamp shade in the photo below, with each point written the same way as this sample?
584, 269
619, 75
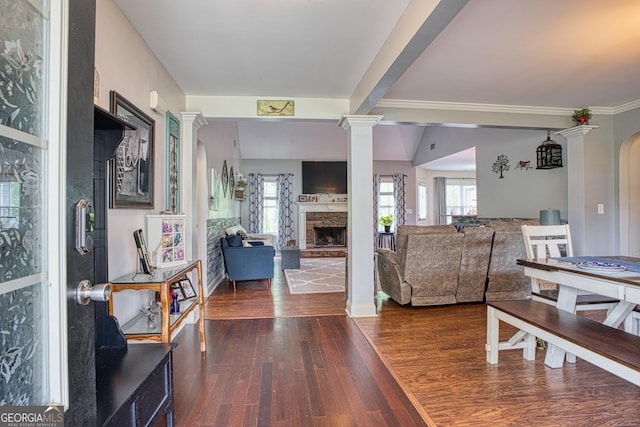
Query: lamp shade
550, 217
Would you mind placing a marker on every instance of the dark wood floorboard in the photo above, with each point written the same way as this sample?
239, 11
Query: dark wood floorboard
276, 359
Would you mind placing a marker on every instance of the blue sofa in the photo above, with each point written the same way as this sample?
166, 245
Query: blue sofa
247, 262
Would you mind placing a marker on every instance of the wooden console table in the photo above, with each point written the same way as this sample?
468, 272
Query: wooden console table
160, 281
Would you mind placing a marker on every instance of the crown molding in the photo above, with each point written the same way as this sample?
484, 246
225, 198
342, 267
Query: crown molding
581, 130
627, 107
499, 108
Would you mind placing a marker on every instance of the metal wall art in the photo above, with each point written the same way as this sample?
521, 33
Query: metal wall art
501, 165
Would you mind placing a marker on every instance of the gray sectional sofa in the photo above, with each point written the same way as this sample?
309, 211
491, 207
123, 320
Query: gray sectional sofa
435, 265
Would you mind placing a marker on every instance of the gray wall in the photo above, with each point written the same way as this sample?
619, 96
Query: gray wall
521, 193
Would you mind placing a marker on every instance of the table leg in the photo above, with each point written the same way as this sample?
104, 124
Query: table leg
567, 297
619, 313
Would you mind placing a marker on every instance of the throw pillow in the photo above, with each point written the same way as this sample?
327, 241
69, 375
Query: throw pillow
234, 241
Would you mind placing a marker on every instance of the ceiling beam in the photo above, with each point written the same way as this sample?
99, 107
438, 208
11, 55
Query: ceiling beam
419, 25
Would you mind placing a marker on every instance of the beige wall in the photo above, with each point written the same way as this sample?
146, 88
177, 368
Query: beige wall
127, 65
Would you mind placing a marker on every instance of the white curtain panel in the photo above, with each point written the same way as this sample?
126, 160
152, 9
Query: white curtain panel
441, 200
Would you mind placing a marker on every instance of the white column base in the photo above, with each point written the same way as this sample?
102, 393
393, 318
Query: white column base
361, 310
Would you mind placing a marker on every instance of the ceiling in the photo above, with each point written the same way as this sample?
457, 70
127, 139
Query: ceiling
543, 53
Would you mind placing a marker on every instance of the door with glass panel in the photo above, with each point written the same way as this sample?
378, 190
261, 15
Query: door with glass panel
33, 334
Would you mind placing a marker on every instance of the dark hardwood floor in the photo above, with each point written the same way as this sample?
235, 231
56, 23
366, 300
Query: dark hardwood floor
275, 359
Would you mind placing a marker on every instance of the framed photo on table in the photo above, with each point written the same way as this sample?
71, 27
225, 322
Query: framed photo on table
131, 169
188, 289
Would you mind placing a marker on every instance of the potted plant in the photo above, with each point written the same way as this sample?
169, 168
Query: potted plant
386, 221
582, 116
241, 184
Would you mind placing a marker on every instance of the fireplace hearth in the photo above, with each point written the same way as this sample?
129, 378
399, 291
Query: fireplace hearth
329, 237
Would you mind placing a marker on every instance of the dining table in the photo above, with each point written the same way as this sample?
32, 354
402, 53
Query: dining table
616, 277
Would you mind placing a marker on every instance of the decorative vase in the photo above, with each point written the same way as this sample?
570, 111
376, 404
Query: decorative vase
387, 228
582, 120
175, 304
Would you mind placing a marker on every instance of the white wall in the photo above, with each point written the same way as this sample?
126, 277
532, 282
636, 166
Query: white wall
626, 131
220, 139
126, 64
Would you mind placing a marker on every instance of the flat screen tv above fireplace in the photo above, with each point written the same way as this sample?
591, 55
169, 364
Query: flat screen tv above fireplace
324, 177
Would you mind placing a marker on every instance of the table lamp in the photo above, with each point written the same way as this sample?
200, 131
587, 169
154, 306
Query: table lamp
550, 217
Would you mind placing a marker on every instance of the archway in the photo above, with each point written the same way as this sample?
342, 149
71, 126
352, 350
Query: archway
630, 196
202, 211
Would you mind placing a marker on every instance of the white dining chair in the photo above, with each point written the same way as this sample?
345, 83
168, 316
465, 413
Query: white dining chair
553, 241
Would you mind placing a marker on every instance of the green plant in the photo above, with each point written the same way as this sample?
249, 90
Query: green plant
586, 111
241, 183
582, 116
386, 220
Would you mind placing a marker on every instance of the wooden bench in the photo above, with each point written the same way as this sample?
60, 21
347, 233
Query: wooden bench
611, 349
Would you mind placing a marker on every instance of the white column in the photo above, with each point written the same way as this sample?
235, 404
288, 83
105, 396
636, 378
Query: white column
577, 182
360, 284
191, 122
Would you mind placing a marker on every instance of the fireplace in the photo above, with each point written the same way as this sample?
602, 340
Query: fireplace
329, 215
329, 237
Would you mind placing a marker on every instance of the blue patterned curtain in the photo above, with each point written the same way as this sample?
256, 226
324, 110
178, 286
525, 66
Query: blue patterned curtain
376, 193
440, 200
399, 194
256, 197
285, 208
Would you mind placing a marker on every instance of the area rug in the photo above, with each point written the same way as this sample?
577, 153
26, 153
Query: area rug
316, 275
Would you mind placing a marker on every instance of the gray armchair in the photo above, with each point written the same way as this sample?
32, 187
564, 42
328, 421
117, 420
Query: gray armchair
424, 270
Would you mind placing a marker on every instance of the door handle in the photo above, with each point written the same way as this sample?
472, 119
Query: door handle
86, 292
84, 224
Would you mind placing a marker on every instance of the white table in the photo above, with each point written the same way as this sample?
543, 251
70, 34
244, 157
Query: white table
624, 286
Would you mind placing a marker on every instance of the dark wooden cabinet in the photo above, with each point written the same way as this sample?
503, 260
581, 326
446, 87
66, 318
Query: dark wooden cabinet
135, 385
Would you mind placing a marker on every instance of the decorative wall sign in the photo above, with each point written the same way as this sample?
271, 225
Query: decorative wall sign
275, 107
225, 178
132, 168
232, 182
501, 165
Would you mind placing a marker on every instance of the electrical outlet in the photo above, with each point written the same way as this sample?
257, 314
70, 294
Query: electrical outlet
600, 208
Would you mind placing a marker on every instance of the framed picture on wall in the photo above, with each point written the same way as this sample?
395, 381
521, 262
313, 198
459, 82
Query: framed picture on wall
131, 173
173, 163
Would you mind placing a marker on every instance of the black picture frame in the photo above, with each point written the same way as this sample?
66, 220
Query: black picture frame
131, 169
143, 252
188, 289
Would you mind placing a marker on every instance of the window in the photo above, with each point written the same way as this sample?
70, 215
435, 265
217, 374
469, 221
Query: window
9, 205
461, 198
270, 206
422, 201
386, 199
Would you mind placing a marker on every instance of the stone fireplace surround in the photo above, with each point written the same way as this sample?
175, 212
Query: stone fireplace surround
318, 214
